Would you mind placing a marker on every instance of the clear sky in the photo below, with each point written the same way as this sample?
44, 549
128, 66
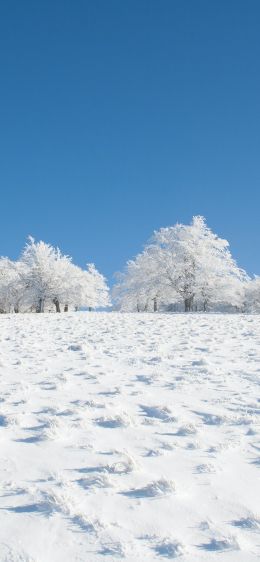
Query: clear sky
118, 117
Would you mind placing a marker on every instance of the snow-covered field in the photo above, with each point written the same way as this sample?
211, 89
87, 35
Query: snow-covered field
130, 437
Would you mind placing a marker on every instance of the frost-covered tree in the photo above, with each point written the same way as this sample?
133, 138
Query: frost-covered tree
46, 274
183, 263
51, 279
97, 287
137, 288
197, 265
92, 290
252, 295
12, 287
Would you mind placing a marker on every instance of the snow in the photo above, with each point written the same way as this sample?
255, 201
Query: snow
129, 437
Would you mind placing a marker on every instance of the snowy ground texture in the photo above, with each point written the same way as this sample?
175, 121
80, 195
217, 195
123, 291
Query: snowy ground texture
129, 437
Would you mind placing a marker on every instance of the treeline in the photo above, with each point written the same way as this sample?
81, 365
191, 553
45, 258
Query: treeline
182, 268
44, 280
186, 268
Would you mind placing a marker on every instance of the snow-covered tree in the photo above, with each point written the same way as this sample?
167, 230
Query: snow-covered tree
252, 295
183, 267
92, 289
187, 263
97, 287
12, 287
138, 288
52, 279
46, 274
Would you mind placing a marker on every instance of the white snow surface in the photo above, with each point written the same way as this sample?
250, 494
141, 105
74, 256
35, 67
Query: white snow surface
129, 437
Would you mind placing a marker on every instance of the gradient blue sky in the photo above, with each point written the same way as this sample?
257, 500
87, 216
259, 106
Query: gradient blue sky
121, 116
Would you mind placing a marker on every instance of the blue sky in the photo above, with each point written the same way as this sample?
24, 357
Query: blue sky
119, 117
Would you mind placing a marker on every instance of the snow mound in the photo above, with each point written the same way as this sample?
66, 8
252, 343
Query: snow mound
206, 468
76, 347
162, 413
226, 543
251, 522
97, 481
63, 502
114, 421
157, 488
115, 549
169, 548
3, 420
213, 419
123, 466
55, 429
187, 429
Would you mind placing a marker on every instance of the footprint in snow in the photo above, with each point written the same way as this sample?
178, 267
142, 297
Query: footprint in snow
206, 468
85, 524
169, 548
251, 523
115, 549
111, 422
166, 446
75, 347
211, 419
60, 501
162, 413
125, 466
224, 446
199, 363
187, 429
3, 420
147, 379
156, 359
155, 489
251, 431
88, 404
153, 453
113, 392
193, 445
166, 547
46, 385
54, 428
97, 481
227, 543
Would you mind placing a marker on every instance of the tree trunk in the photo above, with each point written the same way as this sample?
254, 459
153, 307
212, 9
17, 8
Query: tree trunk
57, 304
188, 304
155, 304
16, 309
66, 308
40, 306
